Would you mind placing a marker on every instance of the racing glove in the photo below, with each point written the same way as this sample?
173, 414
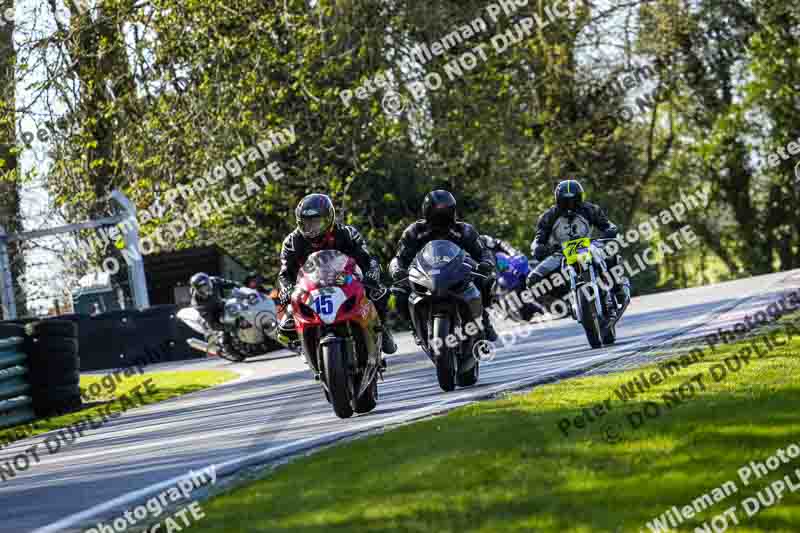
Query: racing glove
485, 268
397, 271
373, 275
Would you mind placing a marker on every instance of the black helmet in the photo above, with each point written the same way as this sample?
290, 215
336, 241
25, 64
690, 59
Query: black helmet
439, 209
201, 284
315, 215
569, 195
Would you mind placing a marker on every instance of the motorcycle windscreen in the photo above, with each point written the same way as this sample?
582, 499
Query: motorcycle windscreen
326, 268
438, 254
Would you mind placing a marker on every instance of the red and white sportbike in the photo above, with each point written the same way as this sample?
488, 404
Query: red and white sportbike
339, 330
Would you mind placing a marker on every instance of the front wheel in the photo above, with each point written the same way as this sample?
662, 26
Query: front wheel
445, 359
470, 377
589, 320
337, 379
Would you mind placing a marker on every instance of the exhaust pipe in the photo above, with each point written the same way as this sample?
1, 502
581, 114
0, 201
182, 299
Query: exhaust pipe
202, 346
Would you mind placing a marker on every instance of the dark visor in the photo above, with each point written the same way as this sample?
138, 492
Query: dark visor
312, 227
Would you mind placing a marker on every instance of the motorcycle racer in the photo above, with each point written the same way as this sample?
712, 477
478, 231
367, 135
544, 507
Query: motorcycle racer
570, 218
439, 223
317, 230
208, 298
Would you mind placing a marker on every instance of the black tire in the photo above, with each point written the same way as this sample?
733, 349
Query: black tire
54, 376
52, 400
369, 400
232, 355
64, 345
445, 360
11, 330
470, 377
337, 379
589, 320
51, 366
56, 328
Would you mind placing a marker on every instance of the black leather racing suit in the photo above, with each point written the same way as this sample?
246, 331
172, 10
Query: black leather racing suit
212, 307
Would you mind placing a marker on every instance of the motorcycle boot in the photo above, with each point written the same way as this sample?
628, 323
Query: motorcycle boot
287, 332
491, 334
610, 305
388, 345
622, 291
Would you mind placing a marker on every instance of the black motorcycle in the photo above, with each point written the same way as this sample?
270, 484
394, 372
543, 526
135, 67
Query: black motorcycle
446, 310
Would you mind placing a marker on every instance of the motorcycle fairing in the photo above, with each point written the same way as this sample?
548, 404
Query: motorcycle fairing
329, 298
438, 267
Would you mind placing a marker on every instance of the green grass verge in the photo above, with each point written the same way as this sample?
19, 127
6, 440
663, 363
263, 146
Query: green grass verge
505, 466
166, 385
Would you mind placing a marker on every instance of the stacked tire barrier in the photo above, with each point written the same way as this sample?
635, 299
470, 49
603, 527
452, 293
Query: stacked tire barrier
120, 339
16, 403
54, 365
117, 339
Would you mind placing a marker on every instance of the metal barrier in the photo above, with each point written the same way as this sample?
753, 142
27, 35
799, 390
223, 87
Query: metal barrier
16, 406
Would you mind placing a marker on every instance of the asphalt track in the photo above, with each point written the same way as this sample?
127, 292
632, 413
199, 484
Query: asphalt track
275, 409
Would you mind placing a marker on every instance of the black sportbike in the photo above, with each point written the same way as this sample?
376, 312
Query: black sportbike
446, 310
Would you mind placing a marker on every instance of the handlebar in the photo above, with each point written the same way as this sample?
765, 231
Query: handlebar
376, 290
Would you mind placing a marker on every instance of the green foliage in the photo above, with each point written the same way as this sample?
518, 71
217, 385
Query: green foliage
190, 85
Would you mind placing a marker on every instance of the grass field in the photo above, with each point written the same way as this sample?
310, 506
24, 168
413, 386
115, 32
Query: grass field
165, 385
507, 466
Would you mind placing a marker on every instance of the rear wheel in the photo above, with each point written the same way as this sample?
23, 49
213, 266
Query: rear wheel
470, 377
589, 320
445, 360
610, 334
367, 401
230, 351
337, 379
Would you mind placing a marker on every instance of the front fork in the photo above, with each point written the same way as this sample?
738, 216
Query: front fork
575, 287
